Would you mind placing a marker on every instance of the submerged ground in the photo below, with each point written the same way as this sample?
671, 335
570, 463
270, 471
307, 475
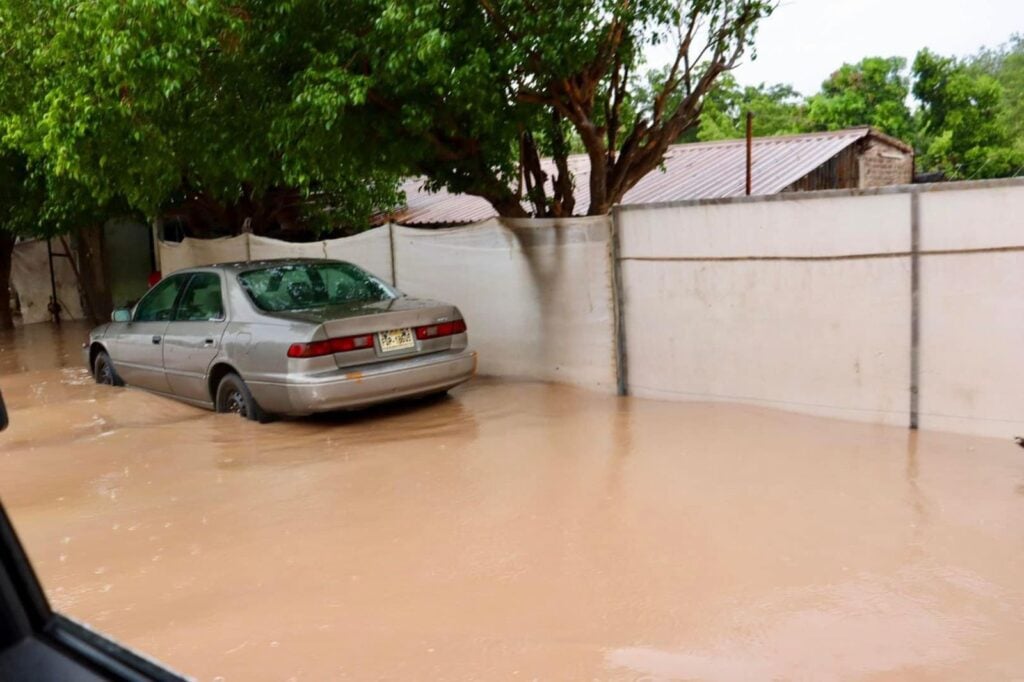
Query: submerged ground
513, 531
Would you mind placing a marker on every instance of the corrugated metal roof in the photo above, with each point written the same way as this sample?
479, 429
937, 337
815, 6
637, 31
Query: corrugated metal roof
423, 208
700, 170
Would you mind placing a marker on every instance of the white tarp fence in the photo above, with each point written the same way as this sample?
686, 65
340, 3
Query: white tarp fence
536, 294
370, 250
30, 278
189, 253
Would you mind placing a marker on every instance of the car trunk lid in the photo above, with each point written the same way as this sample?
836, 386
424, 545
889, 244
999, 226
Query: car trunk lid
392, 325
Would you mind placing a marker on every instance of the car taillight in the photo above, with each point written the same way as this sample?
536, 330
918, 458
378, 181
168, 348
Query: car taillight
432, 331
341, 344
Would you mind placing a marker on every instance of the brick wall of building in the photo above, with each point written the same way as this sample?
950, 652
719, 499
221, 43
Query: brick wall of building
881, 164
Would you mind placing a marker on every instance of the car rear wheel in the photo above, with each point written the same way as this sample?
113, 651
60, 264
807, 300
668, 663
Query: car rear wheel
103, 370
233, 396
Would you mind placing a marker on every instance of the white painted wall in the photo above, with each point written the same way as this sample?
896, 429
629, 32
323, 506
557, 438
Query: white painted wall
832, 336
801, 227
972, 312
826, 337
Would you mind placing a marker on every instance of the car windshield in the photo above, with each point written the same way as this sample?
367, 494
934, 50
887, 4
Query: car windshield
303, 286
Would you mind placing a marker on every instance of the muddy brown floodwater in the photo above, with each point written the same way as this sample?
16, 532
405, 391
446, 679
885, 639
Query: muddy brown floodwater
513, 531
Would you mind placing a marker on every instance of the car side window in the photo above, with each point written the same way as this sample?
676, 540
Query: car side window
202, 301
158, 304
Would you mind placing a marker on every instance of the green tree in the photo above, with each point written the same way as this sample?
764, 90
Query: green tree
873, 92
1006, 65
20, 200
177, 106
473, 93
778, 110
244, 112
34, 203
260, 114
34, 200
961, 130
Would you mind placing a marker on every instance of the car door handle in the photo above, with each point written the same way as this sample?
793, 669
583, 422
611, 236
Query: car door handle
208, 341
156, 339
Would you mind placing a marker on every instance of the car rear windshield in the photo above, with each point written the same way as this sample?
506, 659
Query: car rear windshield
303, 286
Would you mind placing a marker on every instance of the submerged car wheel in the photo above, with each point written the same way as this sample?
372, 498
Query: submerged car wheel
103, 370
233, 396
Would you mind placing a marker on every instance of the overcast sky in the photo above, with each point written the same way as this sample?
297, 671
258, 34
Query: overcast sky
806, 40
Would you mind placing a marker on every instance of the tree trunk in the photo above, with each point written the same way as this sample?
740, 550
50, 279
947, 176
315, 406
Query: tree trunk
508, 206
93, 271
500, 195
6, 252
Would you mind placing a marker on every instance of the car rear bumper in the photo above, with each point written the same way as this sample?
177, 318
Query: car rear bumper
366, 385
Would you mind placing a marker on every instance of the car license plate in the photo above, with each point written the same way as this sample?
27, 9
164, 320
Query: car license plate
396, 339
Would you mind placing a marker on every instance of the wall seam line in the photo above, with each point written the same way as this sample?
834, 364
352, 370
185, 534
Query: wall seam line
836, 257
915, 308
619, 329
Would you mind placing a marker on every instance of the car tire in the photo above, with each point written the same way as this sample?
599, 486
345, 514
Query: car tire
103, 370
234, 396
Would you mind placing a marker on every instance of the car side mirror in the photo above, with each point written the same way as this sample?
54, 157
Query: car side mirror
3, 414
121, 315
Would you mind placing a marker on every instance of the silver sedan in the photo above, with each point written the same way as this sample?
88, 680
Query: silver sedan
282, 337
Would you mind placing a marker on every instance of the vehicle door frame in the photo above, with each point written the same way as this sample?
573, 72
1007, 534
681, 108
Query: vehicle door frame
192, 385
148, 375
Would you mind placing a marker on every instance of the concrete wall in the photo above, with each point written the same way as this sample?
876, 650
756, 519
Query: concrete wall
803, 302
827, 337
972, 311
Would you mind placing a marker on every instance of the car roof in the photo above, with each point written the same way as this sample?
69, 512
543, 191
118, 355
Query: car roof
245, 266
